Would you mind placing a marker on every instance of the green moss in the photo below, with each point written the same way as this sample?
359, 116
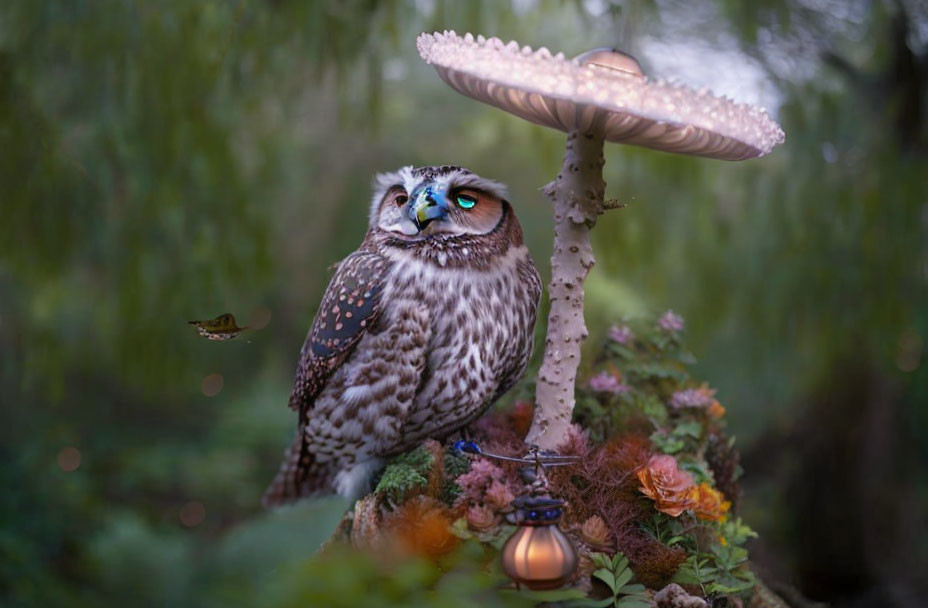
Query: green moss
407, 472
455, 465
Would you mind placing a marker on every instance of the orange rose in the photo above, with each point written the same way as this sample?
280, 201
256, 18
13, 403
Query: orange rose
710, 503
716, 410
668, 486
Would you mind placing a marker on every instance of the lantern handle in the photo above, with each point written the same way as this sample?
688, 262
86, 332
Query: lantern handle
535, 456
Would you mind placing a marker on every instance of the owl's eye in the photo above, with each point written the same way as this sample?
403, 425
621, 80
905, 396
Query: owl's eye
401, 200
466, 201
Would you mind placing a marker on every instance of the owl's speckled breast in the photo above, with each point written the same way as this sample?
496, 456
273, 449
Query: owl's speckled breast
479, 338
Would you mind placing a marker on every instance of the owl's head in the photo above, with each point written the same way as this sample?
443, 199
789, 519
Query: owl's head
419, 203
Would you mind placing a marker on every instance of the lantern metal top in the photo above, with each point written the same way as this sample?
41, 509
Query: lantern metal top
601, 92
536, 511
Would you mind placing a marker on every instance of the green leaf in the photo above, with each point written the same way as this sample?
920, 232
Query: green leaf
601, 560
619, 562
621, 579
653, 408
606, 577
633, 602
699, 469
666, 442
694, 572
503, 533
736, 533
459, 528
689, 429
729, 589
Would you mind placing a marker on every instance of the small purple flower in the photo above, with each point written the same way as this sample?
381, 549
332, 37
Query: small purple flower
621, 334
671, 321
604, 382
693, 397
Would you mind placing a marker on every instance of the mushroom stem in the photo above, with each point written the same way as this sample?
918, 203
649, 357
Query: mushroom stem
577, 194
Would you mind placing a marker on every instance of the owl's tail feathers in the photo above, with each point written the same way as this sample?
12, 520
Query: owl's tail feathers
299, 476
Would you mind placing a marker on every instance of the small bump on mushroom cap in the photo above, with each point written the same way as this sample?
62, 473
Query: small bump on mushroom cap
612, 59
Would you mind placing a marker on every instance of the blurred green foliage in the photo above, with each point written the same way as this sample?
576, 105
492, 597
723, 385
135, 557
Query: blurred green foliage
168, 161
347, 579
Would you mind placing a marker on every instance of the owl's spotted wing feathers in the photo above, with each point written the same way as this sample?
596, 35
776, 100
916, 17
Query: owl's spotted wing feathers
350, 306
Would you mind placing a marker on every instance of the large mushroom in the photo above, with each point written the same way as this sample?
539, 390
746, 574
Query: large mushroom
598, 96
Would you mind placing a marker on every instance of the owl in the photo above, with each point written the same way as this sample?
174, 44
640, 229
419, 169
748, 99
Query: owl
419, 331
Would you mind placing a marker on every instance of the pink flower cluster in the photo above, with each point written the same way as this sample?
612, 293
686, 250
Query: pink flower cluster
621, 334
485, 484
605, 382
670, 321
693, 397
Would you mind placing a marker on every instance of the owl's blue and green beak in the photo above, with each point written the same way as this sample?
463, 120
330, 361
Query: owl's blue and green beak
426, 205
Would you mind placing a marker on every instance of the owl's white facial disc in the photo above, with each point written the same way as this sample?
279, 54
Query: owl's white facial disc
418, 203
393, 214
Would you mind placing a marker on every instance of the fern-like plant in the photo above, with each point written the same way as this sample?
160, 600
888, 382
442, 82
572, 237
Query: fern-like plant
616, 574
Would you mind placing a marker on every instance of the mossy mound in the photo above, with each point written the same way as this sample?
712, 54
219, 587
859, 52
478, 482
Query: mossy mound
654, 490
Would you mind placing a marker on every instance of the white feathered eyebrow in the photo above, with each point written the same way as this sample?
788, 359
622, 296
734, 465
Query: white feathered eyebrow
383, 182
470, 180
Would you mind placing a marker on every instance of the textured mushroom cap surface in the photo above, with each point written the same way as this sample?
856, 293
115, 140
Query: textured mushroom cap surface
622, 107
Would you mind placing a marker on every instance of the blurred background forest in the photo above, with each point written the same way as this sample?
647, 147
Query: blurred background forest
168, 161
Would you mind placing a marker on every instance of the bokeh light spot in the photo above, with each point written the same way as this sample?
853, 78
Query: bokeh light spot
259, 318
69, 459
192, 513
829, 152
212, 384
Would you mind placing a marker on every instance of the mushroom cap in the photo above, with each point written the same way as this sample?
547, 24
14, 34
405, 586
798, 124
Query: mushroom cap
602, 92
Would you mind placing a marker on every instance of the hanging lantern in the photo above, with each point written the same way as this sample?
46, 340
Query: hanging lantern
538, 555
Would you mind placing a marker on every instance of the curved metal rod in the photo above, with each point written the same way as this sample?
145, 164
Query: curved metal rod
537, 459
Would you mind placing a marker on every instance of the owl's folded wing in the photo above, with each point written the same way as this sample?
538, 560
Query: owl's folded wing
351, 305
